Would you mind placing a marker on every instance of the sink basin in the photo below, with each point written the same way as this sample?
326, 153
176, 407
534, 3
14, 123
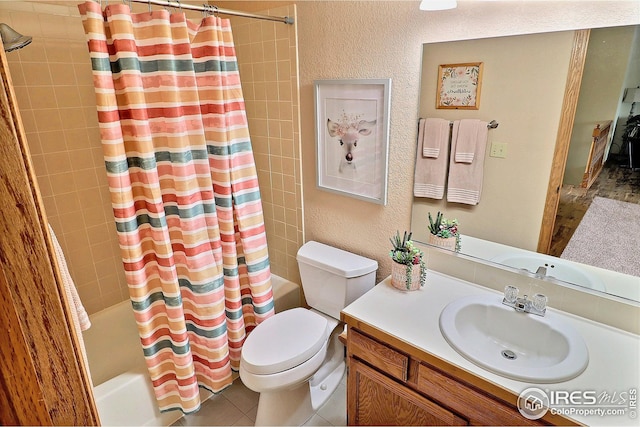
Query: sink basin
556, 268
515, 345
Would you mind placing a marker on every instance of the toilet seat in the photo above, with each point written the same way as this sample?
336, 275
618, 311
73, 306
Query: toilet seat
284, 341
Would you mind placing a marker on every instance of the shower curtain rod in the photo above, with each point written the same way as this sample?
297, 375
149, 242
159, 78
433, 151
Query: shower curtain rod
214, 9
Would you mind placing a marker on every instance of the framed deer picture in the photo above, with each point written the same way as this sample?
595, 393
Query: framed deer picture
352, 137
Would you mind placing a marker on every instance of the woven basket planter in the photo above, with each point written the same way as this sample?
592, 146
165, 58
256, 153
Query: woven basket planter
399, 277
442, 242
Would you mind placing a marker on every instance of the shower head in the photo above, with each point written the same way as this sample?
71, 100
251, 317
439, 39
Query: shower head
12, 39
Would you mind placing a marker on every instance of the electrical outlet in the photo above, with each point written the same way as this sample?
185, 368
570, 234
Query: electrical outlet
499, 150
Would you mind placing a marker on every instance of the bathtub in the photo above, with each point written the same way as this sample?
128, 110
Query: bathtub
122, 388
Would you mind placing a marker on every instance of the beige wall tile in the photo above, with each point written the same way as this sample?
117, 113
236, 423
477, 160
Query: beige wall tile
62, 182
87, 99
45, 186
101, 252
62, 74
76, 139
50, 205
81, 159
95, 215
28, 122
67, 96
271, 89
58, 162
83, 73
36, 73
69, 203
47, 120
35, 52
57, 51
84, 275
42, 97
26, 23
22, 96
270, 71
86, 179
73, 118
53, 27
75, 30
51, 141
15, 71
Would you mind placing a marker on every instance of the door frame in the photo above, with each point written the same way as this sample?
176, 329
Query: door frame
47, 354
563, 139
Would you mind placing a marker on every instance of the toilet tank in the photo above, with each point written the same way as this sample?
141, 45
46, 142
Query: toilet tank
333, 278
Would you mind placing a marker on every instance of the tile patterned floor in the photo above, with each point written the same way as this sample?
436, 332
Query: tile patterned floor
237, 406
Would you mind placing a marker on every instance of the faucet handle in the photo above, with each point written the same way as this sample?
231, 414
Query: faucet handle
539, 302
510, 293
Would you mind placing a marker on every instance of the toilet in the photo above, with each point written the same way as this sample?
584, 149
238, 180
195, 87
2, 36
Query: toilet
294, 359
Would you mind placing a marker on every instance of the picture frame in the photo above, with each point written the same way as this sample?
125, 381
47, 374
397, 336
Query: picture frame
459, 86
352, 137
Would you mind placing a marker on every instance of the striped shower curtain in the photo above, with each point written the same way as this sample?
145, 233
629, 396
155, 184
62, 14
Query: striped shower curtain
184, 192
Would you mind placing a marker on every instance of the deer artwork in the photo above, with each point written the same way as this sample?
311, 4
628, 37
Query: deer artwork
348, 131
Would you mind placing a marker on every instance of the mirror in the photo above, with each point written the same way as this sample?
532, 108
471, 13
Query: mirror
523, 89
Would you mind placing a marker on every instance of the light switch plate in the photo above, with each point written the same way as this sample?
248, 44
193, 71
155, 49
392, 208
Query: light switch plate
499, 150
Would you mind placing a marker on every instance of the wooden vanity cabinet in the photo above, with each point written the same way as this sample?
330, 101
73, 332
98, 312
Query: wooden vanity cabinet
375, 399
391, 386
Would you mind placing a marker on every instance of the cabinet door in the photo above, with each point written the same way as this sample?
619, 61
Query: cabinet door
479, 408
374, 399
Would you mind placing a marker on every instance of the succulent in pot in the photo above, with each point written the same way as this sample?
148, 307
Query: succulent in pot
409, 270
444, 232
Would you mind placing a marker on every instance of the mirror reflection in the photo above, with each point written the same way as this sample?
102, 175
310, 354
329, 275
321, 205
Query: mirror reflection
523, 88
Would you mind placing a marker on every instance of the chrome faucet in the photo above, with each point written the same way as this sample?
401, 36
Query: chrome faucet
541, 271
537, 305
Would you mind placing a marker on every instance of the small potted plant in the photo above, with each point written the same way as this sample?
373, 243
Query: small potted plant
444, 232
408, 271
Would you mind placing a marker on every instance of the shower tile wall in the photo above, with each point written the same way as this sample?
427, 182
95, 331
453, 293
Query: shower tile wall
268, 62
54, 88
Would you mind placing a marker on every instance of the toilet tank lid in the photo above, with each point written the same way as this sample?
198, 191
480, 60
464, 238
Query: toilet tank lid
337, 261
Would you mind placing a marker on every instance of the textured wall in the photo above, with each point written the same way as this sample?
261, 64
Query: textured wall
383, 39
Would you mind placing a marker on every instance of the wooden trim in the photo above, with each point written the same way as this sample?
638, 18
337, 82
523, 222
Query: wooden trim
26, 257
565, 129
383, 357
595, 162
21, 399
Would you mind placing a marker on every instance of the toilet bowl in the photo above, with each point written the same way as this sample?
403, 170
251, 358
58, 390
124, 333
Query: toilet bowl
295, 359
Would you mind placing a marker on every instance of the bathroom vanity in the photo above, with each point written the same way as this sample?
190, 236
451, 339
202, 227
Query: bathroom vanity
402, 371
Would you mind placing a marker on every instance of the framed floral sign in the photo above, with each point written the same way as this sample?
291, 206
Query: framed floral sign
459, 86
352, 136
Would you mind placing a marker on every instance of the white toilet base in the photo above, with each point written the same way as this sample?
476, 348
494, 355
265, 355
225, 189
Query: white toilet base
290, 407
294, 407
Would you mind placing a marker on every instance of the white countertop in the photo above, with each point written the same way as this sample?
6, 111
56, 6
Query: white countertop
614, 355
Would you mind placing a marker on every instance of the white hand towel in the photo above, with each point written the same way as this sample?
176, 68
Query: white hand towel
469, 133
431, 171
465, 179
435, 132
79, 316
78, 313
